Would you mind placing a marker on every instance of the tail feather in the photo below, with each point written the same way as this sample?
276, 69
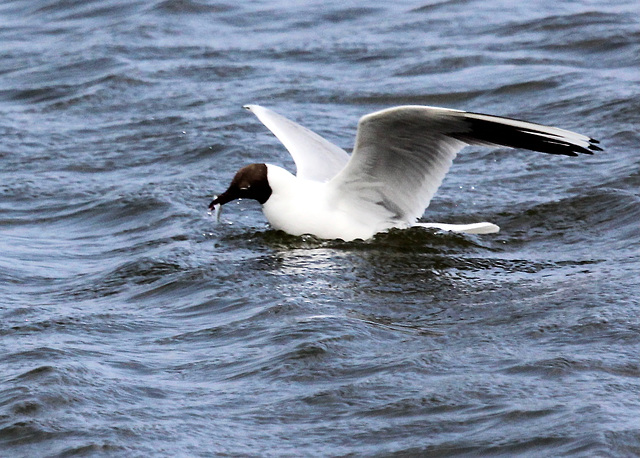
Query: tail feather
475, 228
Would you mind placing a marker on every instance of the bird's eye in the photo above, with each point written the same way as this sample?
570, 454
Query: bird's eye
244, 188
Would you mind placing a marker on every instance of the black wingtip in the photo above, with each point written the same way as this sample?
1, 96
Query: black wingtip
594, 147
496, 130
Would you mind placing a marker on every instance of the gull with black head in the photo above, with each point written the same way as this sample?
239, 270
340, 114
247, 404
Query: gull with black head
400, 158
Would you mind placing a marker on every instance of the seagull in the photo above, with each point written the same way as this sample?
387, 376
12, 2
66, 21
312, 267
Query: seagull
400, 158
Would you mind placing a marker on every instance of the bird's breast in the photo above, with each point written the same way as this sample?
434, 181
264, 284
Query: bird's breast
309, 210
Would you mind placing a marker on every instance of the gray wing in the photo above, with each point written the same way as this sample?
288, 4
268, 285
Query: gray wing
316, 159
402, 154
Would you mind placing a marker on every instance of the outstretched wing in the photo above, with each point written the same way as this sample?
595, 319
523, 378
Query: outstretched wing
316, 158
402, 154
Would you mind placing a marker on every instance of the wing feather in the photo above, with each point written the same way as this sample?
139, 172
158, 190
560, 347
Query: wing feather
402, 154
316, 159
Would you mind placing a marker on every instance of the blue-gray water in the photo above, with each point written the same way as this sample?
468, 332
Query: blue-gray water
133, 325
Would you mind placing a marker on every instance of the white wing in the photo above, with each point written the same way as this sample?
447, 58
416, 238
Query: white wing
402, 154
316, 158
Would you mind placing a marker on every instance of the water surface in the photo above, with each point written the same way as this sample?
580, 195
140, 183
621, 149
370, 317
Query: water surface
133, 325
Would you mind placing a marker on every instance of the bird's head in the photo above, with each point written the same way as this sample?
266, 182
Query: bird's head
250, 182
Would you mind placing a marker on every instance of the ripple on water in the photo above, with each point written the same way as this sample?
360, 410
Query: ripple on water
134, 325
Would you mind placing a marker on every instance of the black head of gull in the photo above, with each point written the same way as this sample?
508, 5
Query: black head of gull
250, 182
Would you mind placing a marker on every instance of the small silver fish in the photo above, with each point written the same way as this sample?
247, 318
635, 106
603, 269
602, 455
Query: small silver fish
216, 210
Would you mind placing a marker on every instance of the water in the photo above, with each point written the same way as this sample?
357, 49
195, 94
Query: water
133, 325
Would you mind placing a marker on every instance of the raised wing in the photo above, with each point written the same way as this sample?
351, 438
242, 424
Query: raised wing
402, 154
316, 158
